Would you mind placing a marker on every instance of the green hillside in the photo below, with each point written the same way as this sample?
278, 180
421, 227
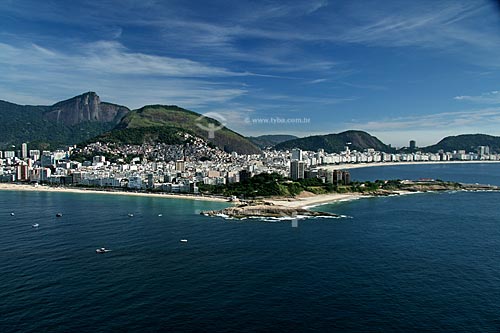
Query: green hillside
153, 117
467, 142
266, 141
334, 143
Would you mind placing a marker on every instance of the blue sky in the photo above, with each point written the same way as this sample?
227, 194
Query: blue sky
400, 69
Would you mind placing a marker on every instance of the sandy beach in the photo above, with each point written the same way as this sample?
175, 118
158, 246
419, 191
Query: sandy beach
44, 188
315, 200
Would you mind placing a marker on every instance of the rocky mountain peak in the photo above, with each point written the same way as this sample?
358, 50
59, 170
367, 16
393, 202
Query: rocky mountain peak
85, 108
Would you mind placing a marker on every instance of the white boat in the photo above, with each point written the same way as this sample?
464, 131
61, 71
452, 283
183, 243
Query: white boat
184, 240
130, 215
102, 250
12, 214
58, 214
36, 225
160, 215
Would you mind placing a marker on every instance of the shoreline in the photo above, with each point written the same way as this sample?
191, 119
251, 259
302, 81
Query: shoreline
297, 202
287, 202
44, 188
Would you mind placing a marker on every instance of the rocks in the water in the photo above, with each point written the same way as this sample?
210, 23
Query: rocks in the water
265, 209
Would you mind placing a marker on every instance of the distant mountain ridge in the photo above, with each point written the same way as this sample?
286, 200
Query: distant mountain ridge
83, 117
270, 140
335, 143
467, 142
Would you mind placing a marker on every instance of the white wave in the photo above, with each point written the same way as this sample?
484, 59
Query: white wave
284, 218
333, 202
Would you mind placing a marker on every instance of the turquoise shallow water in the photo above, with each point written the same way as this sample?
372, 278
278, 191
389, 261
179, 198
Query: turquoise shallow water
423, 262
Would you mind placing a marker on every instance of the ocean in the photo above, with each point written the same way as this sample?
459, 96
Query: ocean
420, 262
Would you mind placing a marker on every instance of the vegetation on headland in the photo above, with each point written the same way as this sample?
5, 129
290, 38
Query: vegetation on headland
270, 185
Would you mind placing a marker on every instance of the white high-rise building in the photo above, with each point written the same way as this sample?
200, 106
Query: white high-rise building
24, 150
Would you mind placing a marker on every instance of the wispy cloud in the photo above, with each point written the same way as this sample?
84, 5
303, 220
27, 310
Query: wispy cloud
429, 129
317, 81
110, 69
110, 57
262, 56
477, 118
492, 97
285, 99
363, 86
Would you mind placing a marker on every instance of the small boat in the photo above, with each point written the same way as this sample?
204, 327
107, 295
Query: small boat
102, 250
12, 214
160, 215
184, 240
36, 225
59, 215
130, 215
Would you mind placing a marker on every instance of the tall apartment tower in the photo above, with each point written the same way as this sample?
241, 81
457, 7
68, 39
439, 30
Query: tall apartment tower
24, 150
296, 154
413, 144
180, 165
297, 170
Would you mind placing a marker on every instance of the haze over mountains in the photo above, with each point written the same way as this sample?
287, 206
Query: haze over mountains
86, 118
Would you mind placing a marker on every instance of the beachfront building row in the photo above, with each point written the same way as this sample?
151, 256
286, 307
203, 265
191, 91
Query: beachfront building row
178, 168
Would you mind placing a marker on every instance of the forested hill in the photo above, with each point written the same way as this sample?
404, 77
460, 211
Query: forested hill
335, 143
467, 142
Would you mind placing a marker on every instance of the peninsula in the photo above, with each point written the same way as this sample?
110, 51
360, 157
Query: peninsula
298, 206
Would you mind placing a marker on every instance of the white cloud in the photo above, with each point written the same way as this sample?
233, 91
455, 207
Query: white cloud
109, 57
467, 121
317, 81
492, 97
108, 68
112, 57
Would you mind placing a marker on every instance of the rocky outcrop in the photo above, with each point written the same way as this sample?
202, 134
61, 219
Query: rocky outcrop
85, 108
437, 186
265, 210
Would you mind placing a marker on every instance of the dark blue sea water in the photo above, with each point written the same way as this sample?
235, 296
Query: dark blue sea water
422, 262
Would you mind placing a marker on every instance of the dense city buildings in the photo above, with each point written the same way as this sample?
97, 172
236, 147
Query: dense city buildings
180, 168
